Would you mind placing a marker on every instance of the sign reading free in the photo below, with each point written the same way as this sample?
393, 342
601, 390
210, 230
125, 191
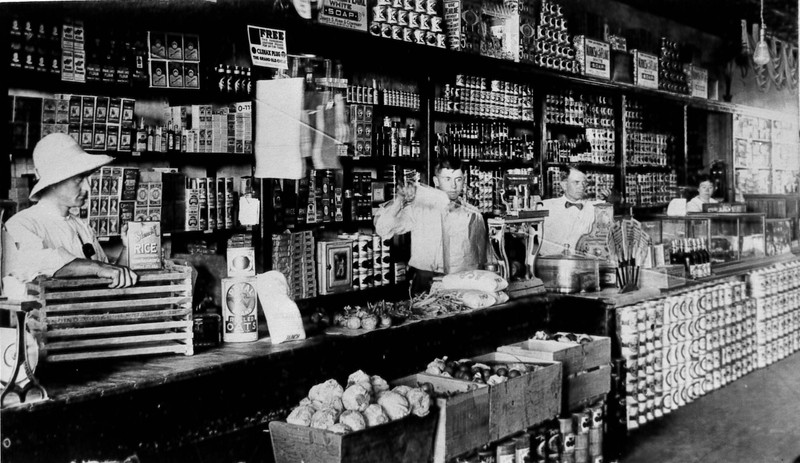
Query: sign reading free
268, 47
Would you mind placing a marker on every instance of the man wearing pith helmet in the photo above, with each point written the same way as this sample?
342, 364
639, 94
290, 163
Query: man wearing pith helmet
48, 239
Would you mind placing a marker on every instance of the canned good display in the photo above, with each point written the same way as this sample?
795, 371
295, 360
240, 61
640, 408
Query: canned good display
414, 21
678, 348
671, 75
492, 99
483, 187
650, 189
577, 109
544, 38
776, 294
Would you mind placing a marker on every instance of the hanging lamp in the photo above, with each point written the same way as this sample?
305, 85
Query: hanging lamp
761, 54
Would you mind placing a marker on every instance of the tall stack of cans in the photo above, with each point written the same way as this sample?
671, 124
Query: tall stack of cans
677, 348
293, 255
372, 260
776, 292
577, 438
544, 39
415, 21
477, 96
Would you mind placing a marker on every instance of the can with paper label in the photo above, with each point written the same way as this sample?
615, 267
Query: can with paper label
239, 309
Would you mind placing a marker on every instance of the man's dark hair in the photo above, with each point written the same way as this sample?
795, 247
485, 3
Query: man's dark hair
449, 162
564, 172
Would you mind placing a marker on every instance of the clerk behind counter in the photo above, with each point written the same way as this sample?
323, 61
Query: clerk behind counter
705, 188
570, 216
447, 234
47, 239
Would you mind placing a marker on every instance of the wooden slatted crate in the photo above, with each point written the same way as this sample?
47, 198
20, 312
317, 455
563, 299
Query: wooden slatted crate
587, 373
85, 319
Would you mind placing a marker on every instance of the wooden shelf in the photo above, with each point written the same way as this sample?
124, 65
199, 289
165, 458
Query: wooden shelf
171, 157
581, 165
373, 161
460, 117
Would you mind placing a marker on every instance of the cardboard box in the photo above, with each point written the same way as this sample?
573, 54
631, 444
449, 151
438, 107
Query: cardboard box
645, 69
241, 261
144, 245
593, 56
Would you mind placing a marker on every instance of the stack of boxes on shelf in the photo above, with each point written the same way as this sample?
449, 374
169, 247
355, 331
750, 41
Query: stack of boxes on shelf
213, 129
678, 348
35, 45
95, 122
209, 203
73, 52
293, 255
776, 291
112, 195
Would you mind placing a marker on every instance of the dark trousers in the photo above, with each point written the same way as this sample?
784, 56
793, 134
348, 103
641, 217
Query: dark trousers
421, 281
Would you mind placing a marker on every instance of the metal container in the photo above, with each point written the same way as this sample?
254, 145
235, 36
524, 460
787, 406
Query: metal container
568, 274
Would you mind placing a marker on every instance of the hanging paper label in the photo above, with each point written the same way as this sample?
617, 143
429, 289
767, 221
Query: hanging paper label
645, 69
268, 47
699, 82
348, 14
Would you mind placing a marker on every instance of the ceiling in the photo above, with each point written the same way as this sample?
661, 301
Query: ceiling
723, 17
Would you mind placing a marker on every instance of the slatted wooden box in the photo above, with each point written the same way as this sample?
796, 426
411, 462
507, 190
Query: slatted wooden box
587, 373
85, 319
403, 441
463, 417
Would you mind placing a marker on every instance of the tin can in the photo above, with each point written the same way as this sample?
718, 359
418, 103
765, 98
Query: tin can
421, 6
505, 453
408, 5
239, 304
522, 447
375, 29
436, 23
408, 36
397, 32
397, 4
430, 38
424, 22
402, 18
430, 7
413, 19
391, 15
419, 36
538, 443
379, 13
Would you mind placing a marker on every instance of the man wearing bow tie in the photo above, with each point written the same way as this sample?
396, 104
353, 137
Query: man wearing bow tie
571, 216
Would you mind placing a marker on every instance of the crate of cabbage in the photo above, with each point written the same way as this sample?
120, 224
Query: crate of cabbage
522, 393
366, 421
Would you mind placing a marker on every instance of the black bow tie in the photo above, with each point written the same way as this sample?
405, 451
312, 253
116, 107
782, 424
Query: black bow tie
568, 204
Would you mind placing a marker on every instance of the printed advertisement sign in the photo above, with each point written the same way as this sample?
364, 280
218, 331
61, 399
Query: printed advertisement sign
347, 14
268, 47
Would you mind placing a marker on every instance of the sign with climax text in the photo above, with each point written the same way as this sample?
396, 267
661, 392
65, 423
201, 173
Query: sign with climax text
268, 47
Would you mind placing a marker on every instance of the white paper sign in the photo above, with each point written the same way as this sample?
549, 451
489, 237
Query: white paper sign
645, 69
348, 14
268, 47
248, 210
699, 82
598, 59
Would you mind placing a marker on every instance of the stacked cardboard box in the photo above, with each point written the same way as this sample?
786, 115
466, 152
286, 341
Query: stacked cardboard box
112, 195
213, 129
293, 255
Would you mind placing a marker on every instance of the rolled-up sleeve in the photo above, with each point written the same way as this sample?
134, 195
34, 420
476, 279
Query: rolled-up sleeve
29, 258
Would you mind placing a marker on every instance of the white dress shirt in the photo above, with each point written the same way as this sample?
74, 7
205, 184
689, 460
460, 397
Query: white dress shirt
424, 221
565, 225
696, 204
46, 241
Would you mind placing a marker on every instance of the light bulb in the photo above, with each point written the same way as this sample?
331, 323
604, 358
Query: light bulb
761, 55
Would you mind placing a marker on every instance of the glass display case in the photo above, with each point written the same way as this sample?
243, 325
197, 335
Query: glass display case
779, 236
730, 237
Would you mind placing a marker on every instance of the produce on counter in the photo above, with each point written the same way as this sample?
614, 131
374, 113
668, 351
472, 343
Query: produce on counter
381, 314
481, 280
365, 402
562, 337
469, 370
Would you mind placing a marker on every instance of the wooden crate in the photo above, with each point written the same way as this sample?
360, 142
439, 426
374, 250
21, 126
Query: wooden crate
463, 418
587, 373
403, 441
85, 319
524, 401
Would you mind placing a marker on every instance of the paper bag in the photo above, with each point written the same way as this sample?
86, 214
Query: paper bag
463, 240
283, 316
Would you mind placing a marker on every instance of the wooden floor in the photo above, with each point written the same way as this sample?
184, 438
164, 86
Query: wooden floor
753, 420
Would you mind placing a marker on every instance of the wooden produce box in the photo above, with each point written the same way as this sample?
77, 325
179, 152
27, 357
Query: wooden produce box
85, 319
407, 440
524, 401
463, 417
587, 373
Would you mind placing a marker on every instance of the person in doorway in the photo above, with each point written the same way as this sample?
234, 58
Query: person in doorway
570, 215
447, 234
51, 241
705, 188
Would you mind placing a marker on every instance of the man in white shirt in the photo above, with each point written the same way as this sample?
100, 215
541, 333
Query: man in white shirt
425, 212
49, 240
571, 216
